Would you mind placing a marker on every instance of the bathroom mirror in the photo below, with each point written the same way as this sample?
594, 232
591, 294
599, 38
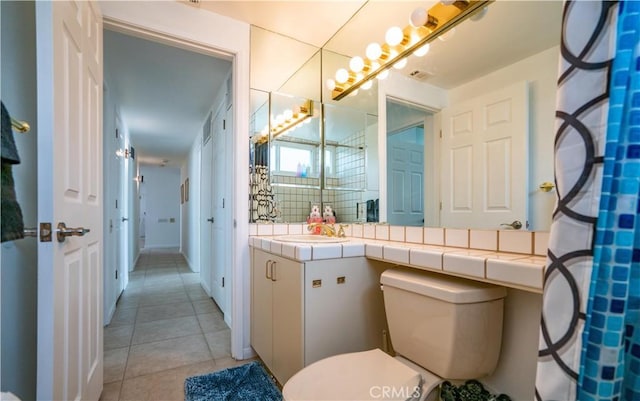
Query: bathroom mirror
466, 64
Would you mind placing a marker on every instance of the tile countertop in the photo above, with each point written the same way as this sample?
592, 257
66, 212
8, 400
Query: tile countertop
516, 270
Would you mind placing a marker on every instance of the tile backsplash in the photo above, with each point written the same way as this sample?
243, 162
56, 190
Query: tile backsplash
511, 241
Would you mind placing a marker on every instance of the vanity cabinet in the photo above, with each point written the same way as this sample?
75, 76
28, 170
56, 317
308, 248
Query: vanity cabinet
276, 313
302, 312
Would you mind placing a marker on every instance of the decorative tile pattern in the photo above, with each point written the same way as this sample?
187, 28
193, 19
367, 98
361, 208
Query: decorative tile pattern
611, 341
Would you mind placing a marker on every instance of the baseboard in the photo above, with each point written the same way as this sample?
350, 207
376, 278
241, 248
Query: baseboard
107, 319
248, 352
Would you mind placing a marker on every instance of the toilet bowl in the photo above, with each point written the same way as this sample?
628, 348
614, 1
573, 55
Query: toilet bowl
441, 328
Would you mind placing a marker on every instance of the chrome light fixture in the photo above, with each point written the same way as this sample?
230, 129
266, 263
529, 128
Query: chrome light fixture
400, 43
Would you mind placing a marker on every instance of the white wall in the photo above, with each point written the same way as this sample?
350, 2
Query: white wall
190, 241
541, 71
18, 272
162, 188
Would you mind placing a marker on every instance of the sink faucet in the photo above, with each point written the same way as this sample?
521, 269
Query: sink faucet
327, 229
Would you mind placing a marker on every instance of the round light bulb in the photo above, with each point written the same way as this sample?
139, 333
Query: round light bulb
447, 35
342, 76
367, 85
279, 119
394, 36
356, 64
480, 14
374, 51
400, 64
288, 114
331, 84
448, 2
423, 50
383, 75
419, 17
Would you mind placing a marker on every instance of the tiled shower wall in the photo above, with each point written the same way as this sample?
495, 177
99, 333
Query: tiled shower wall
295, 203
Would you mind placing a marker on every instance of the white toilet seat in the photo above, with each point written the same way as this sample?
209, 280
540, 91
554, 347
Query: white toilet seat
367, 375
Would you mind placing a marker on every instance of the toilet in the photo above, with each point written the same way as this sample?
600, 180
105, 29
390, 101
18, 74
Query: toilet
441, 328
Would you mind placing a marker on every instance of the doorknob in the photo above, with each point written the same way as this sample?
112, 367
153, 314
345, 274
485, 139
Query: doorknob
211, 220
124, 219
63, 231
516, 224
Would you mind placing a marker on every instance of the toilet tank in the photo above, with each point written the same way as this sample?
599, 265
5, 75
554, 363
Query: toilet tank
450, 326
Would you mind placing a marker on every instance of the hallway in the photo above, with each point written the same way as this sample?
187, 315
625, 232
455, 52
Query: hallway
165, 329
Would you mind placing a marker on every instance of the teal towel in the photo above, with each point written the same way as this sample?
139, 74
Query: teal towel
11, 219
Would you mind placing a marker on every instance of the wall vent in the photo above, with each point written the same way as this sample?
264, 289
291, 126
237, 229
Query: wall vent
420, 75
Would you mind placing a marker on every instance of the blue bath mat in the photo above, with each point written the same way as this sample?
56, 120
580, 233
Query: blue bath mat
241, 383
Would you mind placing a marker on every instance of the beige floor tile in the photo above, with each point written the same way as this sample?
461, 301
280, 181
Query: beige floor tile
161, 312
212, 322
123, 316
159, 280
166, 385
172, 297
205, 306
165, 329
115, 361
197, 295
167, 354
111, 391
129, 302
219, 343
117, 337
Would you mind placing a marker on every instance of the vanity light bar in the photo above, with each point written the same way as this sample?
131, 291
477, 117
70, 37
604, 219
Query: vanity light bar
304, 111
440, 19
300, 114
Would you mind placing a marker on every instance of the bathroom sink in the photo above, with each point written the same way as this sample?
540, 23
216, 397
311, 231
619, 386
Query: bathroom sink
309, 238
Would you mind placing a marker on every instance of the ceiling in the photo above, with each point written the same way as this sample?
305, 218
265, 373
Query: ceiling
160, 88
164, 94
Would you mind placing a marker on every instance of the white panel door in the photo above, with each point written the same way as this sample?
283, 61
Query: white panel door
206, 216
219, 239
485, 159
69, 51
405, 178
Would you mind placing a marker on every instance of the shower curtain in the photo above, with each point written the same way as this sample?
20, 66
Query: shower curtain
590, 329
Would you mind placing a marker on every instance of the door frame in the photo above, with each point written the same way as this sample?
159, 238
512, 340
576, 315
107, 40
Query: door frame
222, 37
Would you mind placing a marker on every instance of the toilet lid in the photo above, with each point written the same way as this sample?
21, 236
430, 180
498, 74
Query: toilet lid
356, 376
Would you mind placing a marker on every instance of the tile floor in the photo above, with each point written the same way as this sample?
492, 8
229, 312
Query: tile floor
164, 330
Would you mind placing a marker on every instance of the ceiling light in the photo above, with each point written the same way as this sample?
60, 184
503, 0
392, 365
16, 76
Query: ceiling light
479, 15
342, 76
418, 17
424, 27
394, 36
374, 51
356, 64
286, 121
447, 35
400, 64
423, 50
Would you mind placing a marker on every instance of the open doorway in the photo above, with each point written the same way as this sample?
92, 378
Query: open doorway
411, 154
162, 95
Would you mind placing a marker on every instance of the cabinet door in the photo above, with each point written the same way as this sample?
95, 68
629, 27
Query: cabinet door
287, 318
261, 307
344, 307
